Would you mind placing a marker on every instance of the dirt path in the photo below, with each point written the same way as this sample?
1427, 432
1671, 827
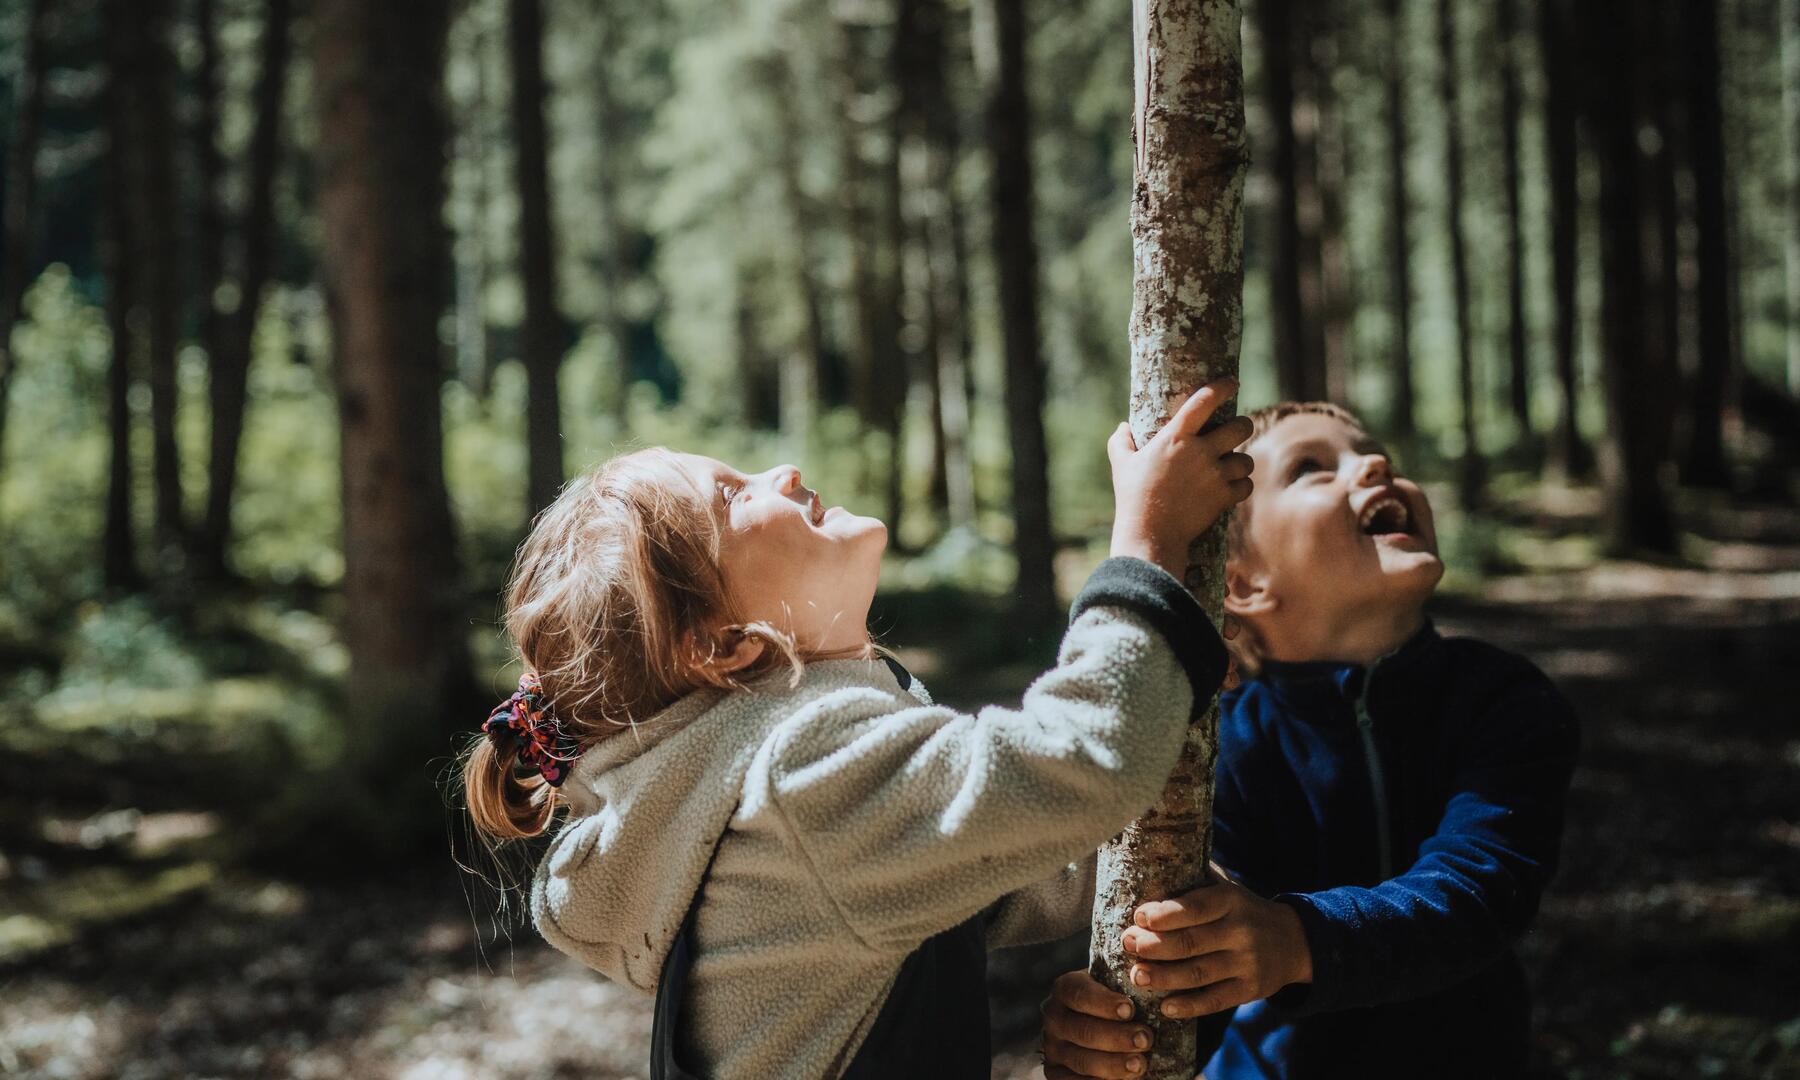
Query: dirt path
1669, 946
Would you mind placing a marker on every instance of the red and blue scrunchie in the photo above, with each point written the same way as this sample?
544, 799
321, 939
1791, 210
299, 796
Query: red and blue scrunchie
526, 719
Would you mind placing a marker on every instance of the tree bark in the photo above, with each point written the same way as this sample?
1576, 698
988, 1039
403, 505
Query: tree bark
230, 368
619, 258
1015, 260
804, 362
1556, 29
1661, 222
1405, 419
157, 212
1518, 357
1471, 470
118, 558
20, 211
1637, 516
1331, 157
1186, 327
1790, 101
541, 336
1704, 461
378, 73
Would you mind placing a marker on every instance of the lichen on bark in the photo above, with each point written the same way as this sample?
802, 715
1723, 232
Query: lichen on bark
1186, 325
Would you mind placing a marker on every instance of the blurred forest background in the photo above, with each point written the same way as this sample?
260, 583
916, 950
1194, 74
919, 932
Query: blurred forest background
306, 306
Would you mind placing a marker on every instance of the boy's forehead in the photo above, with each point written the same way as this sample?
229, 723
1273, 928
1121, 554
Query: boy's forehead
1311, 428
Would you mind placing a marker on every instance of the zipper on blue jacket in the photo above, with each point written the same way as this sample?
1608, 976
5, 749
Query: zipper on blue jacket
1377, 778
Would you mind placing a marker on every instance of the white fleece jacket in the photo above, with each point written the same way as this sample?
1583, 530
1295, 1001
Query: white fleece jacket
858, 819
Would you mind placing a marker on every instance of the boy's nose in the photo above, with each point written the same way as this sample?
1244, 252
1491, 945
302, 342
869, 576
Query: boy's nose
1374, 470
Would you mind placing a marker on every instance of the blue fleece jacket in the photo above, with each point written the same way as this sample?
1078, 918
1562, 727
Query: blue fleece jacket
1410, 813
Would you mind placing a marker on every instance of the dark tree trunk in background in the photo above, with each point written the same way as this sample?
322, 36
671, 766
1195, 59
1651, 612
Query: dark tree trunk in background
1703, 462
20, 211
1637, 514
230, 368
209, 169
1294, 371
1470, 471
541, 336
804, 363
1331, 156
619, 263
893, 374
1556, 29
1658, 144
378, 73
118, 557
1015, 261
473, 128
157, 213
1404, 416
1790, 130
1518, 358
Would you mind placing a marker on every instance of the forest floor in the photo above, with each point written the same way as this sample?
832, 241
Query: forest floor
1669, 945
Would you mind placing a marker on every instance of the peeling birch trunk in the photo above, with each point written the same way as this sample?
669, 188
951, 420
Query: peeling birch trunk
1186, 325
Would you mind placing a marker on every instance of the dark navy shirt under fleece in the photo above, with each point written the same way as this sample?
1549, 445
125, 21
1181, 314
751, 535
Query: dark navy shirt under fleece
934, 1022
1410, 814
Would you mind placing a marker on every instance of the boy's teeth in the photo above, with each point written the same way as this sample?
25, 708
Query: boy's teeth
1376, 509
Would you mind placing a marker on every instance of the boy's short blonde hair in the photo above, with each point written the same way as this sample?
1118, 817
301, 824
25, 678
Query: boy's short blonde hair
1261, 421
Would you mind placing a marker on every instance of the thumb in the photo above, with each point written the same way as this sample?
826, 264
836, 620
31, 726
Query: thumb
1121, 445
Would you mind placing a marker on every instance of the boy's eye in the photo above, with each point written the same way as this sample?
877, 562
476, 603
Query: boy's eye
1303, 466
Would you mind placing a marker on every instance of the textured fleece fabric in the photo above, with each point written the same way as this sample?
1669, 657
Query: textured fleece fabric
854, 819
1413, 970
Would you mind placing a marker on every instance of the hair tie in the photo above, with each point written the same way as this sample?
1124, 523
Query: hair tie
527, 720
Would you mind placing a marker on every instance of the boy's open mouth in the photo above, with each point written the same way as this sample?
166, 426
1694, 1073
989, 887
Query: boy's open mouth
1385, 514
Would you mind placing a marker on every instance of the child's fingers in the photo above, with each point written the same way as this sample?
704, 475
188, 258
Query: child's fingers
1228, 436
1189, 941
1235, 466
1240, 489
1231, 629
1202, 905
1074, 1063
1200, 406
1191, 973
1227, 994
1079, 991
1112, 1036
1120, 445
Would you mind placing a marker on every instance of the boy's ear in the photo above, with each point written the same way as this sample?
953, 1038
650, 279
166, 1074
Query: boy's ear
1246, 591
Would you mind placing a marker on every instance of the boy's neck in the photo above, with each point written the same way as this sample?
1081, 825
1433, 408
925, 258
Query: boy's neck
1359, 637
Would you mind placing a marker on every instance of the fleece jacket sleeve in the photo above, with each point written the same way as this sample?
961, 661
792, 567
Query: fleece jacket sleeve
1477, 881
914, 820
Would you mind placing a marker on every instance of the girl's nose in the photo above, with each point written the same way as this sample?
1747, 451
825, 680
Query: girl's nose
787, 479
1374, 470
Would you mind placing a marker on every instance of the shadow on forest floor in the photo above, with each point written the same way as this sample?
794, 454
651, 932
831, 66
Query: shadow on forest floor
132, 945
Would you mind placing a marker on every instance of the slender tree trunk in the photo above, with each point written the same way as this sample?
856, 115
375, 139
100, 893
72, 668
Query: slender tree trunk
1661, 222
209, 169
118, 246
1186, 327
892, 370
1309, 95
540, 338
1518, 366
865, 301
472, 139
1275, 20
378, 72
20, 211
1637, 516
804, 362
1015, 260
1704, 461
158, 211
1331, 155
230, 369
619, 263
1470, 473
1405, 419
1790, 100
1555, 33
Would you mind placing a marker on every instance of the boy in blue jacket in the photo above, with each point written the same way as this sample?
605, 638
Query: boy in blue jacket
1389, 801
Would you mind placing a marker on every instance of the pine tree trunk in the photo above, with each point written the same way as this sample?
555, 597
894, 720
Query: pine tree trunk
1790, 101
1471, 470
1332, 157
469, 158
118, 246
1186, 327
1661, 223
804, 362
619, 258
1404, 418
230, 368
540, 338
158, 259
1015, 261
1287, 310
1555, 33
1637, 516
1704, 461
1518, 358
378, 72
1309, 194
20, 211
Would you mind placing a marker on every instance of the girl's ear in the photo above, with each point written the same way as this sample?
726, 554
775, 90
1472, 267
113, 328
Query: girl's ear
1246, 591
732, 651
